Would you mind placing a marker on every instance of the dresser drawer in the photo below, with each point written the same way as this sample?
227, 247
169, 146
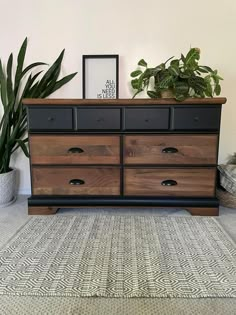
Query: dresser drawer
98, 118
170, 149
196, 118
146, 118
50, 119
75, 181
74, 149
194, 182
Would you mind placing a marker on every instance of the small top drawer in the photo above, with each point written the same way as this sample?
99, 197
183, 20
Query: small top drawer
98, 118
50, 118
196, 118
146, 118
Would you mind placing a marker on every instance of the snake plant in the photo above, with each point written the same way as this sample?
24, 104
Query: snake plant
19, 84
184, 77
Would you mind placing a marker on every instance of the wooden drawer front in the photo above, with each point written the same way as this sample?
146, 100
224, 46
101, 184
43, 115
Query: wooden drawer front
75, 181
98, 118
198, 182
195, 118
70, 149
146, 118
170, 149
50, 119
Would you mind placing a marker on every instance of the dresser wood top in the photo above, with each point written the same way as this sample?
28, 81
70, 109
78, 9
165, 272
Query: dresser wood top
124, 102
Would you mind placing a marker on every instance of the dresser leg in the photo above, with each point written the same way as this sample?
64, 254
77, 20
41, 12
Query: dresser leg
203, 211
42, 210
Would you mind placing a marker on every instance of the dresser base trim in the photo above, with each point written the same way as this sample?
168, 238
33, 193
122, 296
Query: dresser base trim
203, 211
50, 205
42, 210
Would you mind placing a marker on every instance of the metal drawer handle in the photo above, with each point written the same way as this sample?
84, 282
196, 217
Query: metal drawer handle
169, 150
50, 118
169, 182
100, 119
196, 118
76, 181
75, 150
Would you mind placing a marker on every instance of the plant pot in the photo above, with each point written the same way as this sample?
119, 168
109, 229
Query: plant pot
7, 188
167, 94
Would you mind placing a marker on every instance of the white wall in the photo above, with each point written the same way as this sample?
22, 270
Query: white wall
134, 29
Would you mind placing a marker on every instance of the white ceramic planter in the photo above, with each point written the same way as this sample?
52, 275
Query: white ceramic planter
7, 188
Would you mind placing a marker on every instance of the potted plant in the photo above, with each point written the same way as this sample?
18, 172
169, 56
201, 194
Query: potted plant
182, 78
13, 123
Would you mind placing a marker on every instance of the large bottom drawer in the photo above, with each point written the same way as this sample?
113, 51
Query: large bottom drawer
75, 181
181, 182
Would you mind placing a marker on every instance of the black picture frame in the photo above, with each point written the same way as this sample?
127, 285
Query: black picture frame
100, 76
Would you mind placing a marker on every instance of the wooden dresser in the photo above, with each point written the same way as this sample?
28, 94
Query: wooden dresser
124, 152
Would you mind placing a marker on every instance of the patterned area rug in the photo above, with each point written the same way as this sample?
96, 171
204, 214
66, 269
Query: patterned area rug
119, 256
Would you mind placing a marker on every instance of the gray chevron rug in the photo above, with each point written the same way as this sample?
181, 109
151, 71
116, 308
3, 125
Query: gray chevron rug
119, 256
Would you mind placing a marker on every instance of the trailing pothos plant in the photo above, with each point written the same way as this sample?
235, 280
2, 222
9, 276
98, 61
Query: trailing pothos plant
13, 88
183, 77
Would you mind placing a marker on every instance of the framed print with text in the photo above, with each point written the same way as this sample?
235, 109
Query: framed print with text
100, 76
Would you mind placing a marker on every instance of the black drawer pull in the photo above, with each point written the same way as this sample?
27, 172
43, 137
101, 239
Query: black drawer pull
50, 118
196, 118
169, 182
169, 150
100, 119
76, 182
75, 150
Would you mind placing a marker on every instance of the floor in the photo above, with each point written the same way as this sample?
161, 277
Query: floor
14, 216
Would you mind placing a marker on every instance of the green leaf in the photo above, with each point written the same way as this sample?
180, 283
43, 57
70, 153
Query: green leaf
152, 94
10, 94
192, 56
184, 75
208, 91
181, 88
174, 70
148, 73
217, 89
142, 63
33, 65
51, 72
166, 80
180, 97
174, 63
3, 86
23, 146
20, 63
135, 73
58, 84
198, 84
136, 93
206, 68
216, 76
168, 60
142, 83
202, 70
157, 69
135, 84
29, 87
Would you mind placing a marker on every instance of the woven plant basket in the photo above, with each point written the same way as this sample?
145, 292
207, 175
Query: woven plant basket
7, 188
226, 199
